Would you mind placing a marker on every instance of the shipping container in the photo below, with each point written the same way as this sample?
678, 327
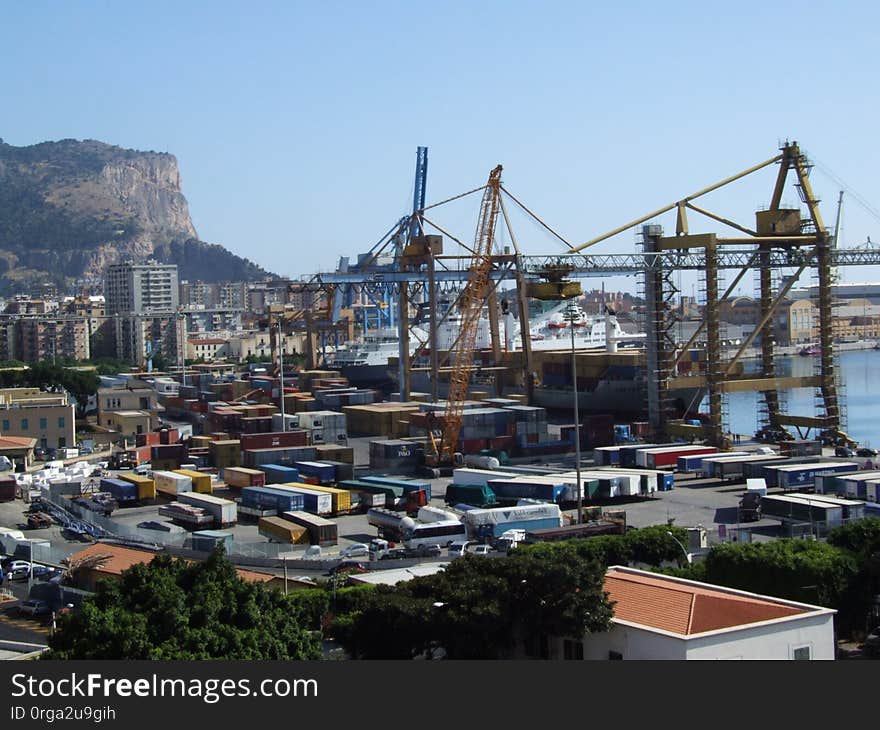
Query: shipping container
145, 485
362, 501
201, 482
849, 485
476, 477
122, 491
274, 440
341, 504
651, 480
207, 540
803, 509
8, 489
318, 503
606, 455
279, 473
476, 495
322, 471
171, 483
393, 495
408, 485
801, 447
657, 457
484, 523
277, 529
688, 464
240, 476
734, 467
801, 475
546, 489
257, 457
271, 498
321, 531
223, 511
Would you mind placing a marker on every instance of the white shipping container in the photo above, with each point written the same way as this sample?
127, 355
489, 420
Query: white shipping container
224, 511
465, 477
171, 483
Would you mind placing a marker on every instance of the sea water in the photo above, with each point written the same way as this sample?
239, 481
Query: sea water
859, 394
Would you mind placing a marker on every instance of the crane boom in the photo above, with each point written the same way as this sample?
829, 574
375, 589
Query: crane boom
471, 304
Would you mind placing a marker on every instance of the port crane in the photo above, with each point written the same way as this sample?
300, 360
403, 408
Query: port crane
470, 304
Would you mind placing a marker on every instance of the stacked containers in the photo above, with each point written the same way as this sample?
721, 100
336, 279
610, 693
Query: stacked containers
274, 440
171, 483
324, 427
396, 455
530, 424
257, 457
225, 453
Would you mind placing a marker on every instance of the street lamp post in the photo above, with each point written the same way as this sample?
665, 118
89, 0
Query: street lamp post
281, 376
577, 420
687, 555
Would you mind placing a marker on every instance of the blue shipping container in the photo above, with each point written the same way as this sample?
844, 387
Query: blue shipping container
279, 474
121, 490
322, 471
268, 498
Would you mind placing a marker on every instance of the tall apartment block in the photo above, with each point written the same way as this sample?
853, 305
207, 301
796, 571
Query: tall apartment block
141, 288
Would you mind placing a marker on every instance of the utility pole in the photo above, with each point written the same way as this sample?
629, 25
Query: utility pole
281, 386
577, 420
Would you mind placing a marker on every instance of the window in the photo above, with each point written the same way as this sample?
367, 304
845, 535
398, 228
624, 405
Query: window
573, 649
61, 422
24, 424
801, 653
537, 647
145, 404
5, 425
43, 424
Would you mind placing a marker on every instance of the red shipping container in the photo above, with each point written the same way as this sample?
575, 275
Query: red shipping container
275, 439
311, 480
169, 436
7, 489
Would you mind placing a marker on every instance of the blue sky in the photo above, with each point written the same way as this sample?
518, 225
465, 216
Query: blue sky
295, 125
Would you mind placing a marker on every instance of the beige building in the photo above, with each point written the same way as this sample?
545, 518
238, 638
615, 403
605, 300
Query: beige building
130, 410
207, 349
39, 338
48, 418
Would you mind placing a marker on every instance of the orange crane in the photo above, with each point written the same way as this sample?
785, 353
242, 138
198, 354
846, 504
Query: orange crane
470, 303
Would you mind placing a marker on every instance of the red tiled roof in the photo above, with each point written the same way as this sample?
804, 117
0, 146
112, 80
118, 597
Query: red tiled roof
16, 442
687, 608
119, 558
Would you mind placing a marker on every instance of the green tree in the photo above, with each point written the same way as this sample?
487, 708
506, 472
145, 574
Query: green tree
173, 609
479, 608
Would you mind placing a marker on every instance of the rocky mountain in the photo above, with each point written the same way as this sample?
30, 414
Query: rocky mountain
70, 208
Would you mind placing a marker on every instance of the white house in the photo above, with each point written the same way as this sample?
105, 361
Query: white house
661, 617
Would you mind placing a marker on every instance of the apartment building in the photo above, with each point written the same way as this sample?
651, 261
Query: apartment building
141, 288
49, 418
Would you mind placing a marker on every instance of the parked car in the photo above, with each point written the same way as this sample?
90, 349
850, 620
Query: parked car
393, 554
457, 549
85, 450
21, 573
843, 451
864, 451
34, 607
357, 550
43, 571
480, 550
348, 566
12, 565
429, 551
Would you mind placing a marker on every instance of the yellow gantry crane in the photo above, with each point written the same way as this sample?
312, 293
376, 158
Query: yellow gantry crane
470, 303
